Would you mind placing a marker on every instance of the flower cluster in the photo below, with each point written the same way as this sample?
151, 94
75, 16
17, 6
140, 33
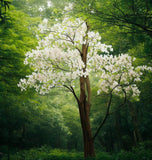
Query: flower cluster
57, 61
69, 7
118, 75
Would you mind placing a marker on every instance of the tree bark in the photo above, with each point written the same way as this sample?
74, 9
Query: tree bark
84, 102
84, 109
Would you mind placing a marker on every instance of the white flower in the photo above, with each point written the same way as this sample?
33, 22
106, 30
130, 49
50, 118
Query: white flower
57, 60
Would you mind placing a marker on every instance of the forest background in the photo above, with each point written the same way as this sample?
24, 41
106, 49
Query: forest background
34, 126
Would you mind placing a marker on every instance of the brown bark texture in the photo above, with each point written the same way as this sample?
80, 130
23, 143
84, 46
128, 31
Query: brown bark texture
84, 109
84, 104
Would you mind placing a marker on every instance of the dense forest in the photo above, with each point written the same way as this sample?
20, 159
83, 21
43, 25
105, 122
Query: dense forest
47, 122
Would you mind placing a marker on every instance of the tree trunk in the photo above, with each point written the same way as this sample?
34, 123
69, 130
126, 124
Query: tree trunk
84, 109
117, 126
134, 115
87, 135
84, 103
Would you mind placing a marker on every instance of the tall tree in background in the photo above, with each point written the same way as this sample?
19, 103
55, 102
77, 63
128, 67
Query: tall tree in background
133, 15
4, 5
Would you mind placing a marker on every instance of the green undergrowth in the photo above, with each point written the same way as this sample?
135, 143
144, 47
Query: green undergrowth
45, 153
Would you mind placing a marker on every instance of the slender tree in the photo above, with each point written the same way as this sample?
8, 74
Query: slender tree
70, 52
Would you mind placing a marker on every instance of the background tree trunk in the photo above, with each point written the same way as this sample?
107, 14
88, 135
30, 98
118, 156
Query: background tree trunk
134, 116
117, 127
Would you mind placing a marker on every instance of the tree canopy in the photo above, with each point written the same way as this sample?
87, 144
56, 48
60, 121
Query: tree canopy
100, 51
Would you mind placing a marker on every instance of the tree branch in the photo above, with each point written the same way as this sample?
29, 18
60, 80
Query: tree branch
72, 41
71, 89
74, 94
125, 99
108, 108
105, 118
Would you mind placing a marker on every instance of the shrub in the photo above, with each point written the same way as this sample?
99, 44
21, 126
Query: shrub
104, 156
46, 153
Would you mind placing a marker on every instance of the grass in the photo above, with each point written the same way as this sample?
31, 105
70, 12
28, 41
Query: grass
45, 153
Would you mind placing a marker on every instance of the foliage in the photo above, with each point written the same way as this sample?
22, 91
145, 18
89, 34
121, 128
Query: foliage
46, 153
42, 8
139, 153
15, 38
132, 15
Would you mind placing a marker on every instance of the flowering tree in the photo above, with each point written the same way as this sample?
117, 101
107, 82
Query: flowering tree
70, 52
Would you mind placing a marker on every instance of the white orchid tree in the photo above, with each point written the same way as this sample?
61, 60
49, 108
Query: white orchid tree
70, 52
